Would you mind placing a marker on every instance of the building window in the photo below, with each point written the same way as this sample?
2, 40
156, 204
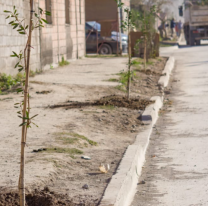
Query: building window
80, 11
67, 16
49, 8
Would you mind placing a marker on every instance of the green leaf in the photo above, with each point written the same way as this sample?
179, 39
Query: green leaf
7, 11
27, 114
45, 21
15, 54
35, 124
25, 118
34, 116
41, 11
48, 13
22, 33
24, 123
15, 26
19, 90
20, 69
16, 103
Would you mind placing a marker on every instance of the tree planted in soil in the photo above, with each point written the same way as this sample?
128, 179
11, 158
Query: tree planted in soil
128, 24
146, 29
23, 65
145, 24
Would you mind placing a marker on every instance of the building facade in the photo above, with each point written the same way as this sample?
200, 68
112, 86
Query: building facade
62, 37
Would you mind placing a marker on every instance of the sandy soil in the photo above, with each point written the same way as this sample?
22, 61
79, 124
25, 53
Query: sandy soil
101, 132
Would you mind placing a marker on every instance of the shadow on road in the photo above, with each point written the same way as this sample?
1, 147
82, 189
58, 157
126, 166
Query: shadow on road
196, 64
187, 46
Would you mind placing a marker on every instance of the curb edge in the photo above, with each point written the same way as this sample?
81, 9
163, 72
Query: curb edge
122, 187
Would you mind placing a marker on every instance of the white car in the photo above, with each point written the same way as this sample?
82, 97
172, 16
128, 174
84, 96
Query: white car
124, 40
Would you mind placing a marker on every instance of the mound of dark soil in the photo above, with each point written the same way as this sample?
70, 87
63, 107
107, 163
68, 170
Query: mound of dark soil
38, 198
120, 101
113, 100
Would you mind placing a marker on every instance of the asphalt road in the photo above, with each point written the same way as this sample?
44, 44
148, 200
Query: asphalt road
176, 168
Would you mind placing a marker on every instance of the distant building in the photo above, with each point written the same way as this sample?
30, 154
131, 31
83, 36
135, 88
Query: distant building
63, 36
136, 4
107, 14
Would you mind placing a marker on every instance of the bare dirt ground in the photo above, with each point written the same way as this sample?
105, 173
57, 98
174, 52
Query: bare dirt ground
74, 120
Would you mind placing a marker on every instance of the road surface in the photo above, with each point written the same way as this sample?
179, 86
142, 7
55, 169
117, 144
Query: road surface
176, 168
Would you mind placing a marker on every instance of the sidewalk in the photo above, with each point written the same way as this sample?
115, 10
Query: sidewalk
80, 81
100, 131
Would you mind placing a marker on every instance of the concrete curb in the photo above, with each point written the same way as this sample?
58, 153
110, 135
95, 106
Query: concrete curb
180, 38
163, 81
122, 187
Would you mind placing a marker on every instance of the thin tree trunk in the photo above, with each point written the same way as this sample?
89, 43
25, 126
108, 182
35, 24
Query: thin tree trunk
119, 28
166, 36
145, 53
129, 62
24, 121
145, 43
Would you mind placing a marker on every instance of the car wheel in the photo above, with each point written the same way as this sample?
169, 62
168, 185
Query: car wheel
105, 49
191, 39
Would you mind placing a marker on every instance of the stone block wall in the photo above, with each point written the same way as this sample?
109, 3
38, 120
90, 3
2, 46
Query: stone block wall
50, 43
11, 40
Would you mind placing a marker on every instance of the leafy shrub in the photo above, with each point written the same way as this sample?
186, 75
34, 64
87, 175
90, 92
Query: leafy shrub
124, 77
8, 81
63, 62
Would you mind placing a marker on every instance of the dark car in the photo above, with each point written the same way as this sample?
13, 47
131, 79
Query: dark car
94, 42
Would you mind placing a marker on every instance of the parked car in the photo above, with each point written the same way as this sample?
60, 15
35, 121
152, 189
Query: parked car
124, 40
107, 45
